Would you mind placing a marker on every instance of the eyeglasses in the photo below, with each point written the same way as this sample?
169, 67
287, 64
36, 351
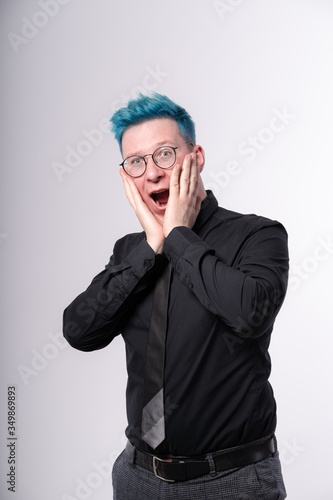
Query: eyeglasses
163, 157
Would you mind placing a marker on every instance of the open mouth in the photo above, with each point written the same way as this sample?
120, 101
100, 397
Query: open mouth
160, 198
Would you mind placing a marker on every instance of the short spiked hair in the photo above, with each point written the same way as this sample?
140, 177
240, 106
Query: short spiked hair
146, 108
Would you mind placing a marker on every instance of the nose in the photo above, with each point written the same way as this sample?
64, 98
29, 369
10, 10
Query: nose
153, 172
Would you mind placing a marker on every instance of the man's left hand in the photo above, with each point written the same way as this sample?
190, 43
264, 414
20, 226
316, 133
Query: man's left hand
186, 194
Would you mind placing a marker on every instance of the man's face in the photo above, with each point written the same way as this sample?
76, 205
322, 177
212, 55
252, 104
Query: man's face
144, 139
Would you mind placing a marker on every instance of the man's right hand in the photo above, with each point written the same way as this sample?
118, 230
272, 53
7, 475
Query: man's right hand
152, 227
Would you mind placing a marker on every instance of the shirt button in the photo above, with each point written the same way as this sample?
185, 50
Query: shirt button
122, 297
148, 263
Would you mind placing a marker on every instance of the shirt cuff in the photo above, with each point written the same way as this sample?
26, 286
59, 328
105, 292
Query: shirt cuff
142, 258
178, 241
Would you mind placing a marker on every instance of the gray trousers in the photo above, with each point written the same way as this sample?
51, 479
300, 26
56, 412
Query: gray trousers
260, 481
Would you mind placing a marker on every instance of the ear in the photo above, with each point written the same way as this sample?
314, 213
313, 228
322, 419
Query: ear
201, 156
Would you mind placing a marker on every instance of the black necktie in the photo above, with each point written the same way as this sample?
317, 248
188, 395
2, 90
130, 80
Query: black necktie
152, 425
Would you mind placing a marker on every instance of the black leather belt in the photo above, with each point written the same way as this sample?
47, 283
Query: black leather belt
185, 468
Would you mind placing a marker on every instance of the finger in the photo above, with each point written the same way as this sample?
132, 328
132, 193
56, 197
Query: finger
190, 180
174, 182
201, 194
127, 188
185, 176
134, 194
194, 176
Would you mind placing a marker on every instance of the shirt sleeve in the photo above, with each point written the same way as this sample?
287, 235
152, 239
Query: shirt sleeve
94, 318
246, 293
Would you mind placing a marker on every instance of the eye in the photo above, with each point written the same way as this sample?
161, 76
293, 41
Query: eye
164, 154
135, 161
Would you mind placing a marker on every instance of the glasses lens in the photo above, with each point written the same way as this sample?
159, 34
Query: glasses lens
134, 166
164, 157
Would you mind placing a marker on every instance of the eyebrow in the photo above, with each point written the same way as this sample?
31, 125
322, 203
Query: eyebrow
157, 145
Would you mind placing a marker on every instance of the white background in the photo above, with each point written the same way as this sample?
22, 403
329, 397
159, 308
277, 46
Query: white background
233, 65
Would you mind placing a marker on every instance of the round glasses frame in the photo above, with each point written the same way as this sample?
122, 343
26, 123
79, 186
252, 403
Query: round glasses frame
153, 158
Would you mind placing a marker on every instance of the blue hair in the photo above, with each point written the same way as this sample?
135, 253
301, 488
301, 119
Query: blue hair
146, 108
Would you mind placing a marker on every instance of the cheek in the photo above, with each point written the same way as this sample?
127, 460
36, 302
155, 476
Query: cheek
168, 172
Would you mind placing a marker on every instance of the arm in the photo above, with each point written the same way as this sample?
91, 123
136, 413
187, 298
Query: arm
94, 318
244, 283
246, 291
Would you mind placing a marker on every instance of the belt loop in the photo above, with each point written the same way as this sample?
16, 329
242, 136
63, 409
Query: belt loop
211, 462
130, 451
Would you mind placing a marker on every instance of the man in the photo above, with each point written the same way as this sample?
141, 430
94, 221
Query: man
201, 412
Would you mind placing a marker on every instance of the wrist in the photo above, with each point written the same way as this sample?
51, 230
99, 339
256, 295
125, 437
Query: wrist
156, 245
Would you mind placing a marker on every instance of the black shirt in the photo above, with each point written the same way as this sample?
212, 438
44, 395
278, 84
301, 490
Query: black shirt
229, 281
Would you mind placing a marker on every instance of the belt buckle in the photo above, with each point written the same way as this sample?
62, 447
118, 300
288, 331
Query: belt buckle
155, 459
